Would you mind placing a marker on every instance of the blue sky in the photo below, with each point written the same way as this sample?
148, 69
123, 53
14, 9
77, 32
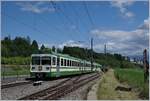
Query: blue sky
122, 25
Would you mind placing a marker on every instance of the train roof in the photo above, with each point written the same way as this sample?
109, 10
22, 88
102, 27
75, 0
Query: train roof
66, 56
42, 55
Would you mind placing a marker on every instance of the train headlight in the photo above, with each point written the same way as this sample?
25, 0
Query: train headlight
33, 68
47, 68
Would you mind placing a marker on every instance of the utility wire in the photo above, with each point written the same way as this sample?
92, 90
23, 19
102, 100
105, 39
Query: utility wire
67, 18
78, 29
27, 25
89, 16
79, 20
58, 11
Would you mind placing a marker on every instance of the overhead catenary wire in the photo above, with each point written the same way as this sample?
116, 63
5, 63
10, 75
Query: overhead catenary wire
58, 12
76, 20
27, 25
88, 14
79, 21
66, 17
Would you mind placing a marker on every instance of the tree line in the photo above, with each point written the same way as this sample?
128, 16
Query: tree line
24, 47
21, 46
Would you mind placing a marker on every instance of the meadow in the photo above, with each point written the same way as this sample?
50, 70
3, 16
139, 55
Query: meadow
135, 78
15, 70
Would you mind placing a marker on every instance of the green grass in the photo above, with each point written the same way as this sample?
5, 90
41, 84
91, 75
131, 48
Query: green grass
16, 60
135, 78
12, 71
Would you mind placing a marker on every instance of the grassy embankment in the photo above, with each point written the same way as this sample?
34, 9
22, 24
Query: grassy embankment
135, 78
16, 66
107, 89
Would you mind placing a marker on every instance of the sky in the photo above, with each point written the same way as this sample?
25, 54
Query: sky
120, 24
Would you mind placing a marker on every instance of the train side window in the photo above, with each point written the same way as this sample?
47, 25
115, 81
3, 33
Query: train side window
70, 62
65, 62
54, 60
61, 62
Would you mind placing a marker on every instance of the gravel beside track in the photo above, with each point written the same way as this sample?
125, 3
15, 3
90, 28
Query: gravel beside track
60, 90
21, 91
18, 92
79, 94
10, 79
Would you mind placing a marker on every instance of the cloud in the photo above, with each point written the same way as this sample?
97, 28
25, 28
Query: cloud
145, 25
129, 14
122, 5
71, 43
35, 7
124, 42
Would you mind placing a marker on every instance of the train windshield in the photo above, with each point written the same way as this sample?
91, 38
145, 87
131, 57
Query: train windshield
46, 60
36, 60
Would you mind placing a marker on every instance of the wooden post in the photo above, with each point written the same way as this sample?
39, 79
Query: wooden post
146, 66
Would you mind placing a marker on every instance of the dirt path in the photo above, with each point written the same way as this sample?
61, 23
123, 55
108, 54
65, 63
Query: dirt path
106, 90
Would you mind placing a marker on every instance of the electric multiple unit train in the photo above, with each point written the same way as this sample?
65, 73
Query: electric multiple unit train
56, 65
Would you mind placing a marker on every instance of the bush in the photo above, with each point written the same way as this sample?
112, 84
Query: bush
16, 60
126, 64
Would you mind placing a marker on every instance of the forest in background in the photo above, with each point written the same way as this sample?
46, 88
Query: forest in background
18, 51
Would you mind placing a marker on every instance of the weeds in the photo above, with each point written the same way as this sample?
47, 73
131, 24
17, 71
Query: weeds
135, 78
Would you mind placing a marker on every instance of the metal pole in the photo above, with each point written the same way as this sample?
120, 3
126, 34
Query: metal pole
91, 53
105, 49
146, 65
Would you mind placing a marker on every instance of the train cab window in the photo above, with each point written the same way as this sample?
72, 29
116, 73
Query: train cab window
36, 60
54, 60
62, 62
65, 62
46, 60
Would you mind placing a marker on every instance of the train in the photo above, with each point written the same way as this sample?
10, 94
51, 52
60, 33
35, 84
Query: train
57, 65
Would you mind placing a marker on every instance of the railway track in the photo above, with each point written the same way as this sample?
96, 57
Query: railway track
61, 89
15, 84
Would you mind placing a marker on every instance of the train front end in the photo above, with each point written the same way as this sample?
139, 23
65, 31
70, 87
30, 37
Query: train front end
40, 65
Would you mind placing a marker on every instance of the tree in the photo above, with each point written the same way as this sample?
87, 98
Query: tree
59, 50
53, 48
42, 47
34, 47
28, 39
